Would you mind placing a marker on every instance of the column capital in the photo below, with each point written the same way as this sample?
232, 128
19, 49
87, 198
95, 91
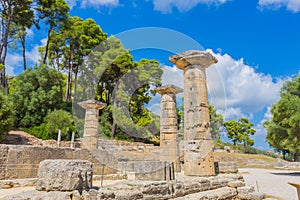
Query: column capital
193, 57
92, 104
168, 89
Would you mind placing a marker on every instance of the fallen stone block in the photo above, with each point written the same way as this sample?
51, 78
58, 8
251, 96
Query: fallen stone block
129, 195
64, 175
227, 167
42, 195
236, 184
251, 196
225, 193
245, 189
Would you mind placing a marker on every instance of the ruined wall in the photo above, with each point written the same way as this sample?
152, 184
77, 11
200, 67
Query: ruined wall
22, 161
18, 161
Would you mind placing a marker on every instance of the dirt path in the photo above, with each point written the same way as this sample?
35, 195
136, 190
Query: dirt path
272, 182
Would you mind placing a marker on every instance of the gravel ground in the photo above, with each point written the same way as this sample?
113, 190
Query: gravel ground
272, 182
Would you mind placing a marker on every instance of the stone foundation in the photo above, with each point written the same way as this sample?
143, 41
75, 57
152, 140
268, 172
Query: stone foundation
226, 187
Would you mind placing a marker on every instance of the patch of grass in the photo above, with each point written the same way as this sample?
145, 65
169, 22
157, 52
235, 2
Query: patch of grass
246, 156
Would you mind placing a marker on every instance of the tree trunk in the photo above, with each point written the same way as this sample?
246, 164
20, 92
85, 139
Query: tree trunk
296, 157
75, 83
24, 51
113, 129
3, 53
69, 79
47, 44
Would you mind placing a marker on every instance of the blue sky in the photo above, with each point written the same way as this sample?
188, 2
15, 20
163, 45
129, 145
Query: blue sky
256, 42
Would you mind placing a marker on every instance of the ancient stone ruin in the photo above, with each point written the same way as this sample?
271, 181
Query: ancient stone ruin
198, 158
139, 171
169, 125
90, 132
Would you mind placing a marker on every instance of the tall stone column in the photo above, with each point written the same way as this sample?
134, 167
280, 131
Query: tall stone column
198, 157
168, 125
91, 124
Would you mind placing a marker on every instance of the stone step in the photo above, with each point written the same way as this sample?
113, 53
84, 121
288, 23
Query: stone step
225, 193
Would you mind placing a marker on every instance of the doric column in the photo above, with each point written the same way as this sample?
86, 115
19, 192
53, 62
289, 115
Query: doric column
91, 124
198, 157
168, 124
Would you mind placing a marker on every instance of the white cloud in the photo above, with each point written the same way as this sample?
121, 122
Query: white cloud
260, 129
166, 6
14, 62
33, 55
291, 5
98, 3
234, 84
71, 3
92, 3
235, 89
172, 75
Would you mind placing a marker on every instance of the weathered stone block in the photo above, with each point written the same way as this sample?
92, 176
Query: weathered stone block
236, 184
64, 175
251, 196
3, 159
227, 167
245, 189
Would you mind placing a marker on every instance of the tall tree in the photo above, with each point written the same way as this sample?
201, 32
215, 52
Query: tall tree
240, 131
14, 13
284, 126
216, 123
71, 44
105, 68
54, 13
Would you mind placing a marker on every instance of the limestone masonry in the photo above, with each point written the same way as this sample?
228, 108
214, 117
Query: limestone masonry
169, 125
90, 133
198, 158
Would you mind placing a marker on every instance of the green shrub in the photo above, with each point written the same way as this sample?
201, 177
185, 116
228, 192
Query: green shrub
59, 120
6, 115
54, 121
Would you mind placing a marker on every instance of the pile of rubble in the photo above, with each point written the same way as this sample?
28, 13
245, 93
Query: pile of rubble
72, 179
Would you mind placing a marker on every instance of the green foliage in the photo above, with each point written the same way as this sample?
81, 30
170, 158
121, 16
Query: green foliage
240, 131
38, 131
110, 66
14, 16
36, 92
59, 120
71, 44
6, 115
53, 12
54, 121
284, 126
216, 123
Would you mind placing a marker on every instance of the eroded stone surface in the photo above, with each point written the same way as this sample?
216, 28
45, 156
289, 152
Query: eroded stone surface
90, 133
227, 167
198, 159
168, 125
64, 175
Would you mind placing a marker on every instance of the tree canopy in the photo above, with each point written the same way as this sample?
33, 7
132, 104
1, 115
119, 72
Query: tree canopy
284, 126
240, 131
34, 93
